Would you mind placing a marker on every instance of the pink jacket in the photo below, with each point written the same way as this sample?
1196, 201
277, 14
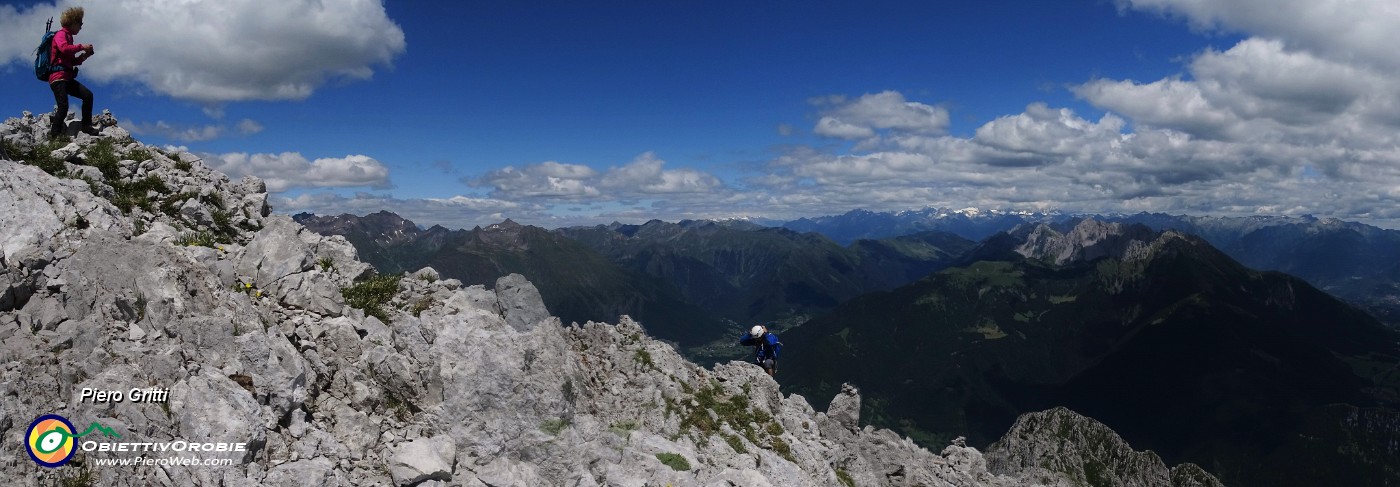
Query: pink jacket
65, 51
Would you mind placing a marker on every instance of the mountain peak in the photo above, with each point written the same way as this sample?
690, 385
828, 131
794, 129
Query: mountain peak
1089, 239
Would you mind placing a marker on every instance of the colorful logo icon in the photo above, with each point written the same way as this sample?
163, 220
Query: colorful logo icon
50, 440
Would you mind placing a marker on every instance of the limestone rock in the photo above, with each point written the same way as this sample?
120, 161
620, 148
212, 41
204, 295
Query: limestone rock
1061, 444
423, 459
520, 302
845, 408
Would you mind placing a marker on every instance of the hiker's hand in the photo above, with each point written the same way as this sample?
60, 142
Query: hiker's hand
88, 48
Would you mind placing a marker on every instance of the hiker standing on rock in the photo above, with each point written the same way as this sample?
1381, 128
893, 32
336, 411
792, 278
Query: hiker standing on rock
765, 346
64, 82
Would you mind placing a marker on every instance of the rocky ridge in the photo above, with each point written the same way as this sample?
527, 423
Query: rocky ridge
1089, 239
253, 333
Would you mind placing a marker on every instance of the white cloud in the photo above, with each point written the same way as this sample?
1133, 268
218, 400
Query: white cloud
192, 133
1042, 131
1351, 31
249, 127
888, 110
214, 51
1168, 103
544, 180
644, 177
290, 170
833, 127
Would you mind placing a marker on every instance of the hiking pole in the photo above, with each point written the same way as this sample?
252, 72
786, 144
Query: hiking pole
48, 27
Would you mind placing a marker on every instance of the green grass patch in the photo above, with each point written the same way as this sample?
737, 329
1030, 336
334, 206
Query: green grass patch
139, 154
643, 358
41, 156
554, 426
170, 205
371, 294
623, 428
420, 306
136, 194
756, 426
203, 239
103, 156
675, 461
845, 478
735, 443
782, 449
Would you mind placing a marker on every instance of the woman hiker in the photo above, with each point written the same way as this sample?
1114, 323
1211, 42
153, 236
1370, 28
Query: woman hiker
64, 82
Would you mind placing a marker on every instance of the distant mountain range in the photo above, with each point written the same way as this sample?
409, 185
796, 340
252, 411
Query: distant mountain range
692, 282
969, 223
748, 273
1353, 261
1258, 376
576, 283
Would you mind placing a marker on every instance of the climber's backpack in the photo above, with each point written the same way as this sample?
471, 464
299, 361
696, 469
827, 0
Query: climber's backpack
44, 64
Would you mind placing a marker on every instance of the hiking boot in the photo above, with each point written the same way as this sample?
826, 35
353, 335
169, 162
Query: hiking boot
91, 131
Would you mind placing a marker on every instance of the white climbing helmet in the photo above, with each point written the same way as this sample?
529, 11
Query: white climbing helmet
757, 330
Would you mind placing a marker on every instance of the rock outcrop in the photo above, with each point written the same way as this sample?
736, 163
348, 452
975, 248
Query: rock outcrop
1089, 239
254, 338
1058, 444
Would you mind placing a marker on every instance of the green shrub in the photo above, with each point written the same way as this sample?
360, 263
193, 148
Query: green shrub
673, 460
371, 294
103, 156
135, 194
170, 205
139, 154
41, 156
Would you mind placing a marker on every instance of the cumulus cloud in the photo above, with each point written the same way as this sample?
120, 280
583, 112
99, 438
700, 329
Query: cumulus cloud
864, 116
643, 177
290, 170
1351, 31
646, 175
193, 133
214, 51
547, 179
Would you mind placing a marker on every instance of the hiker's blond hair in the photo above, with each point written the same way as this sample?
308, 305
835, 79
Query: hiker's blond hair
71, 17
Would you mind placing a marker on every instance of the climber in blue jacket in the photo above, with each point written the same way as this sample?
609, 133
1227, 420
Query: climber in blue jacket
765, 347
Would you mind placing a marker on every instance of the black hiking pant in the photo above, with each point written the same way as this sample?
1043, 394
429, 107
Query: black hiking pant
62, 89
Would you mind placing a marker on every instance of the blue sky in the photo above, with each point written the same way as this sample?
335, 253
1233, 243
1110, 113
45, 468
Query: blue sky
562, 113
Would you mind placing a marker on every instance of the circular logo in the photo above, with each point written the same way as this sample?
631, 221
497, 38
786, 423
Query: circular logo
50, 440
